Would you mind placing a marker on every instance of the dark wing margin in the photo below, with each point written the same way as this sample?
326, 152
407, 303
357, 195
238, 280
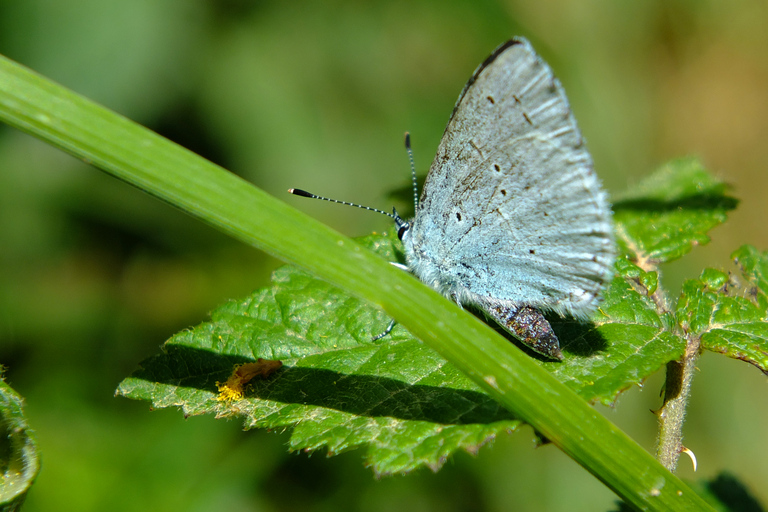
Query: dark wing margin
487, 62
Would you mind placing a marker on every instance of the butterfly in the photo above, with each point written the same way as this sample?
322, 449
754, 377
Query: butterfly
512, 219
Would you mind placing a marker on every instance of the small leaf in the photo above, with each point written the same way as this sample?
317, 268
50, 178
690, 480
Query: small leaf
730, 315
19, 461
669, 212
754, 268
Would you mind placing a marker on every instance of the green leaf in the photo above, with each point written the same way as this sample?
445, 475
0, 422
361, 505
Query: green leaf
18, 450
352, 388
669, 212
396, 397
639, 338
337, 389
730, 314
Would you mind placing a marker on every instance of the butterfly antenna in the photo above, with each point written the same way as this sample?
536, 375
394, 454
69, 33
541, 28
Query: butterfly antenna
304, 193
413, 173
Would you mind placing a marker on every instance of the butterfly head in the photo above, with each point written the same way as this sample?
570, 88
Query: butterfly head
402, 225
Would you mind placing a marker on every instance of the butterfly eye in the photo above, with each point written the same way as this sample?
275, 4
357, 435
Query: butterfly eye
402, 226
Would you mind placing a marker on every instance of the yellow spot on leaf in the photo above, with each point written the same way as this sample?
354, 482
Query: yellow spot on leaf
242, 375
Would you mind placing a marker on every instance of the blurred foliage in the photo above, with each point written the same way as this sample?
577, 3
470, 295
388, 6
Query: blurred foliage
95, 275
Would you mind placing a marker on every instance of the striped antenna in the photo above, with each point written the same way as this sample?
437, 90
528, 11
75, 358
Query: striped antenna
304, 193
413, 173
401, 224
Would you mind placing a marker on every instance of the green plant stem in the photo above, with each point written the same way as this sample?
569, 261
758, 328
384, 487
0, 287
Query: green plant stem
677, 389
677, 386
206, 191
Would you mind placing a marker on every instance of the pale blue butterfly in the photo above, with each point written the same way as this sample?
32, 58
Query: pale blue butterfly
512, 218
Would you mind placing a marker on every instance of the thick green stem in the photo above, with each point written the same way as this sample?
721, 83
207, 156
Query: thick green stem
672, 414
677, 387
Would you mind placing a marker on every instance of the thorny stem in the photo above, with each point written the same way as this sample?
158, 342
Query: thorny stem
677, 387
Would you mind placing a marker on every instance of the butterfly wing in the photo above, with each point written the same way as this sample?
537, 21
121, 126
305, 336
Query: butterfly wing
512, 208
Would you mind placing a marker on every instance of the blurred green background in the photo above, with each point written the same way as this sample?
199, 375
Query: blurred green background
96, 275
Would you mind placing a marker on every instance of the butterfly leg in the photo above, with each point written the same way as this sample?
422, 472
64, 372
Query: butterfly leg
528, 325
386, 331
392, 323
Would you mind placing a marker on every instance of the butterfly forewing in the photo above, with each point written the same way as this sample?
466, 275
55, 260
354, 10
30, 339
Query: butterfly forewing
512, 209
